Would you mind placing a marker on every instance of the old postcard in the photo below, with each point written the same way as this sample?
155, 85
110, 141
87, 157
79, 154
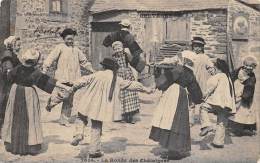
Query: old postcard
139, 81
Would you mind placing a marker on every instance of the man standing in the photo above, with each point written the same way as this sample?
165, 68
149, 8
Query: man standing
200, 62
200, 69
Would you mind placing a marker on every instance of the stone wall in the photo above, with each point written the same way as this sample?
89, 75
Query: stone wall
39, 28
250, 45
138, 25
137, 22
212, 26
4, 22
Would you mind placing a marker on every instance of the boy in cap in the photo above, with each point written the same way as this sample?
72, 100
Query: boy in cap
99, 102
69, 59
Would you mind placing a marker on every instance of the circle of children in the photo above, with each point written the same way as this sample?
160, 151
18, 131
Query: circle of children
188, 80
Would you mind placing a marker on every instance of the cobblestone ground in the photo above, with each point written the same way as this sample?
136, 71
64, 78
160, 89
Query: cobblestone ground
129, 143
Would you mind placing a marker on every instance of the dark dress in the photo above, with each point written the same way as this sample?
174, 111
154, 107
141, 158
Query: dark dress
9, 60
128, 42
177, 139
245, 117
22, 132
249, 87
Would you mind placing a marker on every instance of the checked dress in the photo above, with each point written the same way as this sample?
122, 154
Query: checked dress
129, 99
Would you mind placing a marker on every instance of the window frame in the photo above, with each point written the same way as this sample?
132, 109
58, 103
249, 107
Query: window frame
62, 11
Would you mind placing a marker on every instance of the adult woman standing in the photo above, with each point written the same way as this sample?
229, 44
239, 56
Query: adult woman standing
129, 99
22, 131
9, 60
244, 83
170, 124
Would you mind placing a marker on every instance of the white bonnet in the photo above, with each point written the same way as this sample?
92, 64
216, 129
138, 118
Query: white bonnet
9, 40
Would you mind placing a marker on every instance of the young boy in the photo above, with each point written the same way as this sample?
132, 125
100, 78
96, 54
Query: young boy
100, 100
69, 59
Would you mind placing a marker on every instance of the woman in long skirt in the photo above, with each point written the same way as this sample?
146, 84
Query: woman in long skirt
170, 124
22, 131
8, 61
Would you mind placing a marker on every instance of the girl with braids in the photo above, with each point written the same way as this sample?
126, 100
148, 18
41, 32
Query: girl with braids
219, 99
100, 100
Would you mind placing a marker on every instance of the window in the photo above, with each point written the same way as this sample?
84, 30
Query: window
58, 6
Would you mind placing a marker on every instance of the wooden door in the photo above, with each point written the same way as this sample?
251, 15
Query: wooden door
178, 28
155, 34
175, 28
99, 31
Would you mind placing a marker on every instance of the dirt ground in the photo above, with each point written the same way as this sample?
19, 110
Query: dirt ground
129, 142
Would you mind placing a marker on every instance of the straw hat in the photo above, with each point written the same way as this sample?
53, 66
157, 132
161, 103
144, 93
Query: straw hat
125, 22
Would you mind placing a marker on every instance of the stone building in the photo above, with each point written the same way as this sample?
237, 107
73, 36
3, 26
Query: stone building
154, 22
231, 28
38, 23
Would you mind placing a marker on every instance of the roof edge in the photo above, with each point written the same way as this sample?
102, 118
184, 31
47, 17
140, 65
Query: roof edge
143, 10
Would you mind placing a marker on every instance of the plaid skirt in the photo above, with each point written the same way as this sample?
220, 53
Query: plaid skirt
129, 99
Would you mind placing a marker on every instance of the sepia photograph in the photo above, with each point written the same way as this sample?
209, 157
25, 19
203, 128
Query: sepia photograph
129, 81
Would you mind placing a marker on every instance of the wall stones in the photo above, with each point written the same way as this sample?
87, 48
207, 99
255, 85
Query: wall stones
242, 47
212, 26
4, 22
39, 28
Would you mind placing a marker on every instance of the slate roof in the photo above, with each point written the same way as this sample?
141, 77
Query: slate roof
157, 5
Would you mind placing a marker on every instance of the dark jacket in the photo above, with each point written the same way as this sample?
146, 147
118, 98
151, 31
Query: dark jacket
8, 61
128, 42
184, 77
249, 87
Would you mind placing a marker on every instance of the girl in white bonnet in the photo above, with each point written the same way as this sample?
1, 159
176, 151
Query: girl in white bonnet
244, 121
8, 61
22, 131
